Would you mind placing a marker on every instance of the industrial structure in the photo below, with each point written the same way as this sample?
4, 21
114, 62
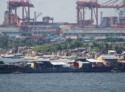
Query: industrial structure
116, 34
94, 5
13, 18
87, 27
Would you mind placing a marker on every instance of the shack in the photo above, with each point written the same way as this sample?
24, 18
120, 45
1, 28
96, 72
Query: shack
109, 60
121, 65
99, 66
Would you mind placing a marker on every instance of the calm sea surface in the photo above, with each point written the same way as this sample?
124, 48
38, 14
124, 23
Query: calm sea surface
63, 82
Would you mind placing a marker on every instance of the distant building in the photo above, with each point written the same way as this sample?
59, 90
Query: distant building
10, 31
99, 34
43, 31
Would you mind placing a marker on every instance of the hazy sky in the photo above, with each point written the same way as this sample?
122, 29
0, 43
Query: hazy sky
60, 10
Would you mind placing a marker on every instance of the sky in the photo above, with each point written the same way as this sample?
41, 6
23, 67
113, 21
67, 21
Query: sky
60, 10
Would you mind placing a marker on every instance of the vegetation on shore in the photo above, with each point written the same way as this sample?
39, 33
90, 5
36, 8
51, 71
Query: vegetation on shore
102, 47
43, 45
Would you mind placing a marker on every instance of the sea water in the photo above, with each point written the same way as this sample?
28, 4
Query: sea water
63, 82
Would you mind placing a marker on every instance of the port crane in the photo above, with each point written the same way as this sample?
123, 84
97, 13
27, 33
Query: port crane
93, 6
13, 5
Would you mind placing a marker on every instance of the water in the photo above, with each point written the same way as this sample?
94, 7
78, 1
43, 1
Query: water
63, 82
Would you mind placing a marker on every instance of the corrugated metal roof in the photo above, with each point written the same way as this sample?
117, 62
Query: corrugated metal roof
109, 57
59, 63
93, 60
